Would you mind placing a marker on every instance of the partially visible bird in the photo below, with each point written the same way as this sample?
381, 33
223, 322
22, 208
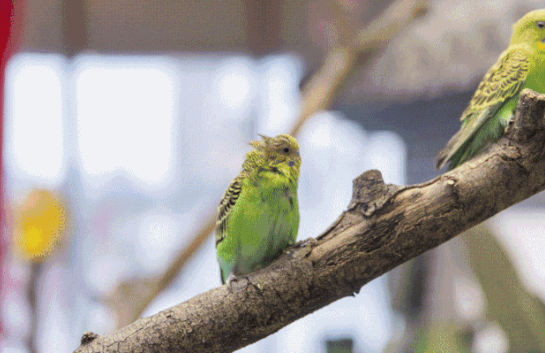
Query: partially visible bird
259, 214
521, 65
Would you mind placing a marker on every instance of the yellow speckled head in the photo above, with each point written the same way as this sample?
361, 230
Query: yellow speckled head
281, 148
530, 29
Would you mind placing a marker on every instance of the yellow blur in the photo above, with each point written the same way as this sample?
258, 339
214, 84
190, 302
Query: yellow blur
39, 224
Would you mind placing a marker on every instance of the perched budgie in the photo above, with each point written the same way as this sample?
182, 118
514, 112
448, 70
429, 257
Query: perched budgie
259, 213
521, 66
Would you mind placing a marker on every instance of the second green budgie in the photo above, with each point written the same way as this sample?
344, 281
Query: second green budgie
493, 105
259, 213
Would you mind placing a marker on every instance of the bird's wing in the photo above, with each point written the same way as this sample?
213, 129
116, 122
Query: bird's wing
504, 80
227, 203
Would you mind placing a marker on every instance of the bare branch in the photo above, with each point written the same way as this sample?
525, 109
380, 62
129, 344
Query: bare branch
340, 63
384, 226
396, 17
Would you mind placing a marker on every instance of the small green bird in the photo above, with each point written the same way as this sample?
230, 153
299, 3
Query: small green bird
484, 120
259, 214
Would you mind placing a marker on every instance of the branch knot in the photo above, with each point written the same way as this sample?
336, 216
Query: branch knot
370, 192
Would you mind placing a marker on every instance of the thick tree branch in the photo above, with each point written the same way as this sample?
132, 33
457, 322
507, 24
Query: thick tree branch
384, 226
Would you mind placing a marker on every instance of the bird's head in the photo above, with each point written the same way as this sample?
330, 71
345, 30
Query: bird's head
530, 29
281, 149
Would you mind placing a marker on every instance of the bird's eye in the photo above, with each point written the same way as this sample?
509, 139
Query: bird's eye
540, 24
286, 150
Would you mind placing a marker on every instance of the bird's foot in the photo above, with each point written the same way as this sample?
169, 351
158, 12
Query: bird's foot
232, 278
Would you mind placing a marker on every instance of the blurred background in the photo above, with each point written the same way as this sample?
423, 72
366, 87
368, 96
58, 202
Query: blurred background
124, 122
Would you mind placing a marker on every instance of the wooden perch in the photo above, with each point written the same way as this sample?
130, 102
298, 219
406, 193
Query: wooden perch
384, 226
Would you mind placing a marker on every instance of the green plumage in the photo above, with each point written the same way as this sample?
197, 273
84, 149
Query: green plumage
493, 105
259, 214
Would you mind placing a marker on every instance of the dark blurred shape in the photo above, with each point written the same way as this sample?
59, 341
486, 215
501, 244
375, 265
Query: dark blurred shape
74, 26
36, 270
519, 313
408, 286
264, 23
342, 345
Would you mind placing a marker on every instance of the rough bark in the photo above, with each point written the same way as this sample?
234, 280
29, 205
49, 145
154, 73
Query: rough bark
384, 226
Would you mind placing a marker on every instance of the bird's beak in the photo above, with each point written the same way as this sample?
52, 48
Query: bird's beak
291, 163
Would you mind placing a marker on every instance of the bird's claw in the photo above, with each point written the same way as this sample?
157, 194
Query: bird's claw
232, 278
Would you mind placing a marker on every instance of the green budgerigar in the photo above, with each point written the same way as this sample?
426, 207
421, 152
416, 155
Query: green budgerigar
521, 66
259, 214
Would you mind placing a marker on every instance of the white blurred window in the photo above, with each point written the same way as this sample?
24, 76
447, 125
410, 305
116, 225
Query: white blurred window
124, 109
33, 133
